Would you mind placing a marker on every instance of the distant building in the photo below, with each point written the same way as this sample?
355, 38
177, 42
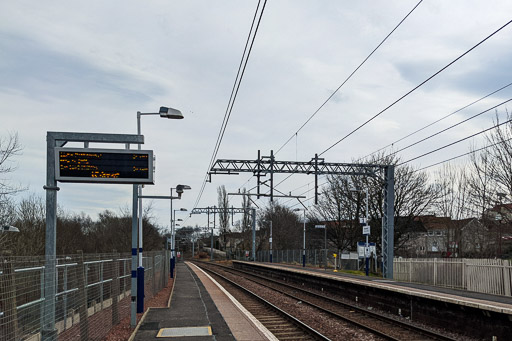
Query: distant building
431, 236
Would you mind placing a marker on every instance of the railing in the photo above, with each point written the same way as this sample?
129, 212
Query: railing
92, 293
314, 257
490, 276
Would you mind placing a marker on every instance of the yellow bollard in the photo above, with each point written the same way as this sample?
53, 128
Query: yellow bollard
335, 266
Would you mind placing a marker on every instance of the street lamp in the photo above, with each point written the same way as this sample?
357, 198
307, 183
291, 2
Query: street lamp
179, 190
366, 247
304, 237
137, 304
173, 236
7, 228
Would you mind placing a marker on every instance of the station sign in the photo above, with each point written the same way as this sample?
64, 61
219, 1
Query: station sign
366, 229
362, 250
319, 226
91, 165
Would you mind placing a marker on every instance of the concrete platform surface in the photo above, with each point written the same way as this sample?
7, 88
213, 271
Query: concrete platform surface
198, 305
495, 303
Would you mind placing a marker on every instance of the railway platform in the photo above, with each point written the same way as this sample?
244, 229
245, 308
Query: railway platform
496, 303
478, 313
199, 309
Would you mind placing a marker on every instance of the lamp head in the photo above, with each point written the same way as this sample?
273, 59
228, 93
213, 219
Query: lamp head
181, 188
7, 228
170, 113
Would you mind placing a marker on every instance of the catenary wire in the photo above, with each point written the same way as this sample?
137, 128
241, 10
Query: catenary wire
424, 139
234, 93
455, 142
415, 88
448, 128
340, 86
465, 154
421, 129
348, 78
439, 120
433, 135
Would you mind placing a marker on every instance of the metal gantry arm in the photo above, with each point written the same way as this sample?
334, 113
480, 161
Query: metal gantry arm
207, 210
267, 165
263, 166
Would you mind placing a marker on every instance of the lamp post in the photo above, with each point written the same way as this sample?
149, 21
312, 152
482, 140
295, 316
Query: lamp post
179, 190
270, 241
366, 247
173, 237
304, 237
137, 282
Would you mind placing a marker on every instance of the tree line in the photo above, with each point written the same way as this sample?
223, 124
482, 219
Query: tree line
110, 231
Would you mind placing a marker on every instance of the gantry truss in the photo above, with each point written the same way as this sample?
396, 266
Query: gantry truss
267, 165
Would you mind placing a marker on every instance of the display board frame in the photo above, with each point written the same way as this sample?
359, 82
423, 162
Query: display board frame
149, 179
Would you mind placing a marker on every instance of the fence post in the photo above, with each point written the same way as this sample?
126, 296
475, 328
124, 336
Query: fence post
410, 270
82, 292
155, 289
115, 288
506, 277
9, 320
163, 267
464, 280
435, 271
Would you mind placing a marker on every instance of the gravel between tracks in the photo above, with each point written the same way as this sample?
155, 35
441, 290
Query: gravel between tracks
335, 330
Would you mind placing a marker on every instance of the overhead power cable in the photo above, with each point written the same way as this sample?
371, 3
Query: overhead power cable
234, 91
415, 88
451, 144
439, 120
465, 154
347, 79
450, 127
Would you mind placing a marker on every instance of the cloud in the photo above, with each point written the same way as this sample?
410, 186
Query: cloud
41, 73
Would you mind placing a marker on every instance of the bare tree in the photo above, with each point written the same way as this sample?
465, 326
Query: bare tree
341, 206
9, 148
30, 218
223, 202
286, 230
247, 215
500, 155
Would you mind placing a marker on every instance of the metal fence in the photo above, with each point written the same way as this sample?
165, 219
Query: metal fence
490, 276
93, 293
314, 257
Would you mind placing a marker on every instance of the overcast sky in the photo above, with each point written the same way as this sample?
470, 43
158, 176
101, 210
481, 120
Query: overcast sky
89, 66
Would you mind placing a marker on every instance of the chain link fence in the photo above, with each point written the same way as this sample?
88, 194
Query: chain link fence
93, 293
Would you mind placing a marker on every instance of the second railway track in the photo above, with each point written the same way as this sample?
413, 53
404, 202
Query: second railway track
333, 318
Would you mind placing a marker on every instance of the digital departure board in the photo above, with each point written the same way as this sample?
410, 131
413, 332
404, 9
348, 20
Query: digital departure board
104, 165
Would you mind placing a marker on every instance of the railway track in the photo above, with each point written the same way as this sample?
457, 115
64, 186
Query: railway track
283, 325
382, 326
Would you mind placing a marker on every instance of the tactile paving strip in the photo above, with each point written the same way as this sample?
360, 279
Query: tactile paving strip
185, 331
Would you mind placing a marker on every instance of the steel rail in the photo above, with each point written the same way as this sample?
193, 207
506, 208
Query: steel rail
406, 326
314, 333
